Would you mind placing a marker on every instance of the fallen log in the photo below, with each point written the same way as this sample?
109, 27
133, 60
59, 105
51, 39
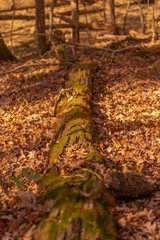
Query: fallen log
80, 195
81, 204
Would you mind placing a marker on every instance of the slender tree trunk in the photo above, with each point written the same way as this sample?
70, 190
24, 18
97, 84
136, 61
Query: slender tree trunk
5, 54
155, 21
40, 27
126, 14
109, 13
141, 16
75, 20
52, 6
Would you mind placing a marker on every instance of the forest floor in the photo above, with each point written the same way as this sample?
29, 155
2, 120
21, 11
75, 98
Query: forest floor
126, 112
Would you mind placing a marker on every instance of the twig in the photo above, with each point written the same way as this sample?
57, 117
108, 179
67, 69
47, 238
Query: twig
125, 49
28, 65
104, 48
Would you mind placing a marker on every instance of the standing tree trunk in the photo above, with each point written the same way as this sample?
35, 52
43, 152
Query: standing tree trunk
141, 16
52, 6
5, 54
40, 27
109, 13
75, 20
155, 21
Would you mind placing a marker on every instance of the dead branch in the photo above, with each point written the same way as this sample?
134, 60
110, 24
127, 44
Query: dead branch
26, 65
109, 37
6, 6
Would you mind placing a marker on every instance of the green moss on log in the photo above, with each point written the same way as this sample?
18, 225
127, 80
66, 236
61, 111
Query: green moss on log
81, 205
80, 208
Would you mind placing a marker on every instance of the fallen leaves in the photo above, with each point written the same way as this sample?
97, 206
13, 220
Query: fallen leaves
126, 112
126, 107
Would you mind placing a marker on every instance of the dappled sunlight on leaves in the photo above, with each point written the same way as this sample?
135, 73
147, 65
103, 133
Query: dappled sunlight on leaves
26, 109
126, 107
126, 113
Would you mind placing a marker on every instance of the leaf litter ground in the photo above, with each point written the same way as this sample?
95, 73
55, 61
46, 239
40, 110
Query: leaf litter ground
126, 112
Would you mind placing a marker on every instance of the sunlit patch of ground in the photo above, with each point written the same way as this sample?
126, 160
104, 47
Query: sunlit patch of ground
126, 106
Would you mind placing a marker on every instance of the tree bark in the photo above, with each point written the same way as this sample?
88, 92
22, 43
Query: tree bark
52, 6
155, 21
5, 54
109, 12
40, 27
75, 20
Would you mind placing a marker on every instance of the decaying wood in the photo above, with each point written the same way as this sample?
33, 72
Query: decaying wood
81, 196
81, 204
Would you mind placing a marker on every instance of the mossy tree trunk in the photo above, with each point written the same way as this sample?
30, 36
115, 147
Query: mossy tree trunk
81, 205
5, 54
